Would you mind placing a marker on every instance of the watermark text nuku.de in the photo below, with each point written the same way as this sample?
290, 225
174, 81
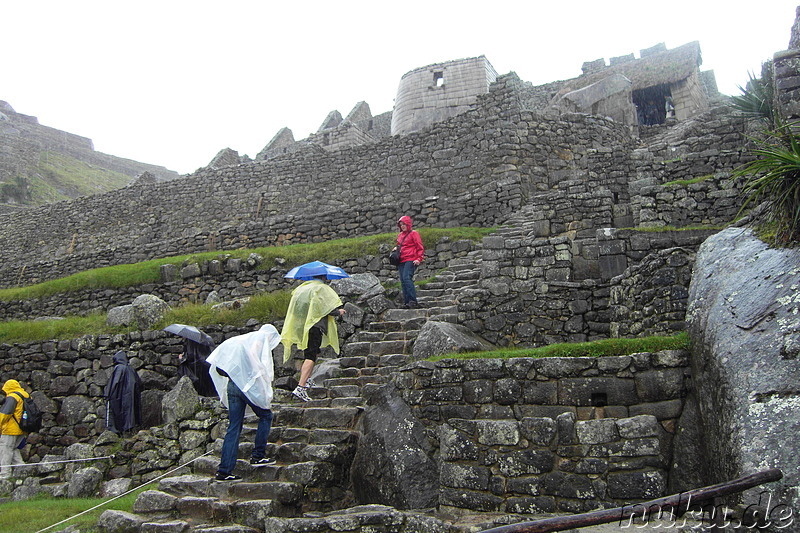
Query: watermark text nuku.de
767, 512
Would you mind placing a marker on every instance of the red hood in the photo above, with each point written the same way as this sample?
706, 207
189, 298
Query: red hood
407, 220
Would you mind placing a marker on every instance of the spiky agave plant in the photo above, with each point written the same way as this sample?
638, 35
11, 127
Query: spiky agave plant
773, 179
756, 100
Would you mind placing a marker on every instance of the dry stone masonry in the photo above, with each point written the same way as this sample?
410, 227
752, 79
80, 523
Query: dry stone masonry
569, 173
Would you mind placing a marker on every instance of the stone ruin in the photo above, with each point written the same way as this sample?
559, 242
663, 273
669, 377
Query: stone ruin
570, 172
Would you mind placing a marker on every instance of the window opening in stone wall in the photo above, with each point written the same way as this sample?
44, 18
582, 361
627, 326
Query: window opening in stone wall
438, 79
653, 105
599, 399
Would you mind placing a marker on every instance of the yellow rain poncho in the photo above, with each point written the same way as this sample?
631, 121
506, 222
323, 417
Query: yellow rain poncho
311, 302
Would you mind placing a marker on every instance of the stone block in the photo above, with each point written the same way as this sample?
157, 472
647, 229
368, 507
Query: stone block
455, 445
534, 506
498, 432
637, 485
661, 410
523, 462
462, 476
660, 384
539, 431
478, 391
469, 499
596, 431
639, 426
590, 391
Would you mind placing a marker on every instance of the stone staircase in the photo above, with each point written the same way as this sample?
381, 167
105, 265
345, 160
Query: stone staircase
313, 442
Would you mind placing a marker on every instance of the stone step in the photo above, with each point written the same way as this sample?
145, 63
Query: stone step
360, 380
410, 334
366, 336
206, 508
395, 324
352, 401
404, 315
284, 492
446, 317
320, 417
462, 270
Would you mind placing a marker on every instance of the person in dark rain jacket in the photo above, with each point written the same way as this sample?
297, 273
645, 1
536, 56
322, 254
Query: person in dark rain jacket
123, 393
193, 364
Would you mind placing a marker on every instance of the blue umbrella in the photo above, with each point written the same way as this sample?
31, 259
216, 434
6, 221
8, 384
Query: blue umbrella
191, 333
314, 269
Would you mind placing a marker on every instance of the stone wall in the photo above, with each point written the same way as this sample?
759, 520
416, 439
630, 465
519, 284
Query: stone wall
229, 277
477, 168
67, 379
536, 291
550, 435
651, 297
689, 97
453, 175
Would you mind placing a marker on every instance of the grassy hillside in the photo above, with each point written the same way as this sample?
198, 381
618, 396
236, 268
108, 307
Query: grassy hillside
59, 177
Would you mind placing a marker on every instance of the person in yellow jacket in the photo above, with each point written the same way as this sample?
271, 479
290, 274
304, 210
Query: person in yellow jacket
311, 326
11, 435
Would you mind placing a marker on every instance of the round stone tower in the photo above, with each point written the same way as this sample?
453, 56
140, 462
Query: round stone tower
436, 92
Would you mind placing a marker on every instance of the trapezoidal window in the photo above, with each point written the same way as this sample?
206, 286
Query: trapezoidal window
438, 79
653, 104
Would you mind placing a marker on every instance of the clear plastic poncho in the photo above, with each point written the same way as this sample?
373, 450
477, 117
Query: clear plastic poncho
311, 302
247, 359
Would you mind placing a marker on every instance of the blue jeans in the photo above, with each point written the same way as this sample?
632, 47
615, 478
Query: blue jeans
237, 403
406, 270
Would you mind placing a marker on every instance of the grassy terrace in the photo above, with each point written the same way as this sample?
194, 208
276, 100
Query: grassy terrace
266, 307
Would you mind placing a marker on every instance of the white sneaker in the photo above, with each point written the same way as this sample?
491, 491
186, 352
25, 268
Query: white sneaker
301, 393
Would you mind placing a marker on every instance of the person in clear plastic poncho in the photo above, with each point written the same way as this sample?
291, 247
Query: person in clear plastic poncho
242, 371
311, 326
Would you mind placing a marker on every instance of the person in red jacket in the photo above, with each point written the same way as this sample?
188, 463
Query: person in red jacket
411, 255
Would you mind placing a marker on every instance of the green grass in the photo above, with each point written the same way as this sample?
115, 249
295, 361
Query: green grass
33, 515
129, 275
601, 348
684, 183
59, 177
68, 328
265, 307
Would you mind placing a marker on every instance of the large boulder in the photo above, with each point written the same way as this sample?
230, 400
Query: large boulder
148, 310
744, 322
394, 463
74, 410
437, 338
121, 315
181, 403
113, 521
85, 483
359, 286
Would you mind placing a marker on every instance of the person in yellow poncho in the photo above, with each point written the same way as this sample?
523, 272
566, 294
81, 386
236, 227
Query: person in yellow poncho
11, 435
311, 326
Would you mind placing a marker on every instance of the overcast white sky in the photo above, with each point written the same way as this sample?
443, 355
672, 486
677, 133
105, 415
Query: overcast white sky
172, 82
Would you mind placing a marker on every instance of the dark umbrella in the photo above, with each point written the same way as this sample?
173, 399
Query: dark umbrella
191, 333
316, 268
